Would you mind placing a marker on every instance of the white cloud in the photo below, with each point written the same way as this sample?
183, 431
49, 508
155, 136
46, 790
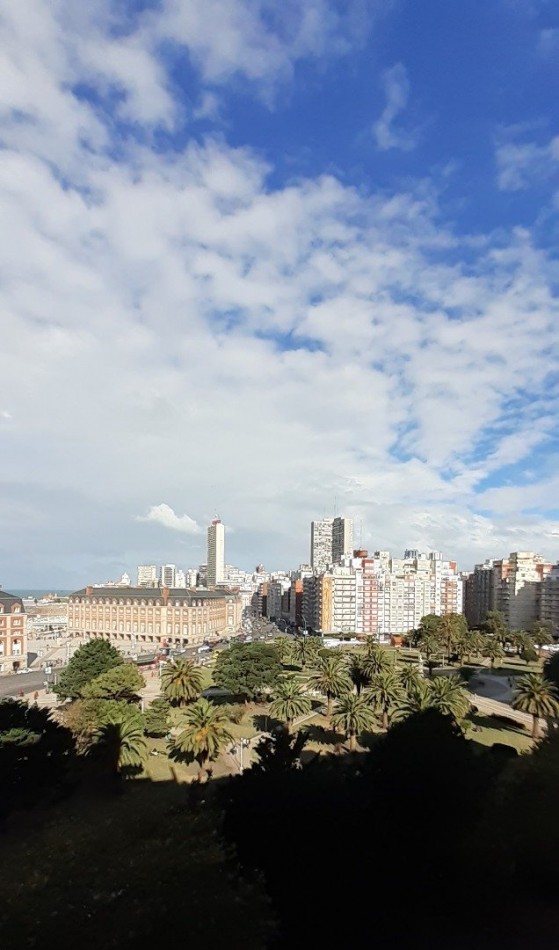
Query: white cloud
522, 164
200, 335
397, 89
165, 516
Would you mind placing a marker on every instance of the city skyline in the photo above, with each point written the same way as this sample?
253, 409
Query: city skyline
277, 263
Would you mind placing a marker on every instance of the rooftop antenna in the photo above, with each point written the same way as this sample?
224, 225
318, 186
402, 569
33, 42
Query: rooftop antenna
335, 506
361, 533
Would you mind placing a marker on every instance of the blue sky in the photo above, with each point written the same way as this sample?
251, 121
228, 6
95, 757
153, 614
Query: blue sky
262, 259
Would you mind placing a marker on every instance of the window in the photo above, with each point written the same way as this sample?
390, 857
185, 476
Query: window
16, 647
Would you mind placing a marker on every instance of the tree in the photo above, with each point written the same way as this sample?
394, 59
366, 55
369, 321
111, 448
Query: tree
304, 650
416, 700
204, 735
520, 640
181, 681
280, 752
429, 644
551, 670
448, 695
353, 715
385, 694
410, 677
88, 662
357, 674
331, 679
537, 696
120, 741
157, 717
283, 646
376, 660
451, 629
493, 650
248, 669
529, 654
540, 633
36, 756
84, 717
290, 701
495, 625
121, 683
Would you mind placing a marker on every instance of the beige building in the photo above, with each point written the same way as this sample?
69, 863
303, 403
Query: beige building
13, 633
139, 616
216, 553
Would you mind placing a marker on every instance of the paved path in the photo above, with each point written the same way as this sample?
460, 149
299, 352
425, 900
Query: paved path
491, 707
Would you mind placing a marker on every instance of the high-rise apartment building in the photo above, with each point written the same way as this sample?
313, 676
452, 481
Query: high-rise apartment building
147, 575
549, 601
380, 595
479, 593
512, 585
331, 539
216, 553
167, 575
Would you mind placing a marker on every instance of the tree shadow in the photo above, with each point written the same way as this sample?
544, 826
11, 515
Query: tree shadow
496, 722
265, 723
323, 736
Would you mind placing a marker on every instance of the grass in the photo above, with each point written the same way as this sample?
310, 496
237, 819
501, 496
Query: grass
490, 731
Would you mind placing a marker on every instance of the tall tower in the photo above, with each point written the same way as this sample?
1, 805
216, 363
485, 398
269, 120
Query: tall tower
342, 538
321, 544
216, 553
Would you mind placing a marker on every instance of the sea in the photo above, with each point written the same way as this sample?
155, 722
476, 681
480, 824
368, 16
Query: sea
39, 594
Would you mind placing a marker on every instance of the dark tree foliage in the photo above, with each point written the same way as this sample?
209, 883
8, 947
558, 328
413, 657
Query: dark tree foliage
280, 751
113, 872
388, 831
248, 669
157, 717
37, 756
88, 662
121, 683
551, 669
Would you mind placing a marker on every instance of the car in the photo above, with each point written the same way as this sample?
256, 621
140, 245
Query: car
24, 669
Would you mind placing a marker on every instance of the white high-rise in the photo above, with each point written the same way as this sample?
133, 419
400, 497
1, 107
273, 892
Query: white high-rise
216, 553
167, 575
147, 575
331, 539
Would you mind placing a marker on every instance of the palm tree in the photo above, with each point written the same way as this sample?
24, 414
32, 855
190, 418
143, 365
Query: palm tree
537, 696
291, 701
493, 650
304, 650
540, 633
283, 646
182, 681
410, 677
204, 735
357, 674
448, 695
385, 694
417, 700
429, 644
376, 660
353, 715
476, 642
120, 739
331, 679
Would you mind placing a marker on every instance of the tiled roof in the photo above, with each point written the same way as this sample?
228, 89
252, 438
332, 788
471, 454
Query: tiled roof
9, 599
150, 593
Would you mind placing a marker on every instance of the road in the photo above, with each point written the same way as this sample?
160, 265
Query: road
28, 682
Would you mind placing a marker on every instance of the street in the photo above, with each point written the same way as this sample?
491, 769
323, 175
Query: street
12, 684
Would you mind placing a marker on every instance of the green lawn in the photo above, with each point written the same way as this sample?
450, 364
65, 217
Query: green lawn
491, 731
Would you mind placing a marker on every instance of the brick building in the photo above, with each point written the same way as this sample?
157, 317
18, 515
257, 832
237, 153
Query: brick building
13, 633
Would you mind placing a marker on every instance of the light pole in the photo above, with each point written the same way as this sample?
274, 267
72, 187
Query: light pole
243, 744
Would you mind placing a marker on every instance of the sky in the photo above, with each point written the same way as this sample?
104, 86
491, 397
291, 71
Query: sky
275, 262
